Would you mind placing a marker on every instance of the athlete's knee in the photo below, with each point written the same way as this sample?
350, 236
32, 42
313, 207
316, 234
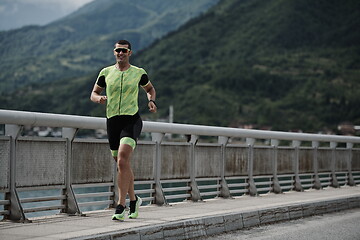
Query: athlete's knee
127, 146
123, 164
123, 159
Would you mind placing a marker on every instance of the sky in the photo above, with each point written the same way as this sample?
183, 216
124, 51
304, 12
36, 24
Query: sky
18, 13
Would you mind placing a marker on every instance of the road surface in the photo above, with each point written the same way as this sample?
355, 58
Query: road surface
343, 225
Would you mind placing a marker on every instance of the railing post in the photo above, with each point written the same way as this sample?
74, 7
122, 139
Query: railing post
71, 204
159, 194
224, 191
195, 192
276, 184
317, 182
297, 184
252, 187
351, 181
334, 182
15, 209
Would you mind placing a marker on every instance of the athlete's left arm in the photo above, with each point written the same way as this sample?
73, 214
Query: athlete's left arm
151, 95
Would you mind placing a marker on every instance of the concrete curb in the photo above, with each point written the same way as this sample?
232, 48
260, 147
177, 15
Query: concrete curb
217, 224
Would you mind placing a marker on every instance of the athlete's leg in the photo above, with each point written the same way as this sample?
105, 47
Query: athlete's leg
131, 190
129, 135
125, 176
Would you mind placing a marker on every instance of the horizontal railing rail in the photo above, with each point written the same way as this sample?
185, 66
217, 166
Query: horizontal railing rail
83, 122
72, 175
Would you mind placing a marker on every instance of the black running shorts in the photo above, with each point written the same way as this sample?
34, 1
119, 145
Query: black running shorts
123, 129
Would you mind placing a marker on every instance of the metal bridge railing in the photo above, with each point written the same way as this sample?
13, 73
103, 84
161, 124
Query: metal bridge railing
71, 175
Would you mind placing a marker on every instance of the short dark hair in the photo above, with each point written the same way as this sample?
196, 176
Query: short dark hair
124, 42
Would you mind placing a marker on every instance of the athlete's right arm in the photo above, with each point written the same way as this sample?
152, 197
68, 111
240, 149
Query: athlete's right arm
96, 96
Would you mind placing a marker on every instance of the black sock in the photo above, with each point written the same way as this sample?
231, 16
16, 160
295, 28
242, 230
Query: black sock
119, 209
133, 205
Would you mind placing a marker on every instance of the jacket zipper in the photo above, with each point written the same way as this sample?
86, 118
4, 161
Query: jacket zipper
121, 87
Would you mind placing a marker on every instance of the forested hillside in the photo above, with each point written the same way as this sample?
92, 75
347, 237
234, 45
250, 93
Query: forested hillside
82, 42
279, 64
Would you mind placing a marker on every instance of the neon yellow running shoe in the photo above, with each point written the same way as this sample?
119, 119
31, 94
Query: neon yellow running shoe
119, 213
134, 207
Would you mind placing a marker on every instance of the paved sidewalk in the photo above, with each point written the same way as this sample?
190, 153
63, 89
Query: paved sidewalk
189, 219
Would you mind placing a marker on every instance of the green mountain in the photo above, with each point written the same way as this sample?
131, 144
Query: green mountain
82, 42
283, 64
280, 63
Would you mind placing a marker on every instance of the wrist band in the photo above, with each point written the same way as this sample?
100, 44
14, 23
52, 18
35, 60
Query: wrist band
153, 102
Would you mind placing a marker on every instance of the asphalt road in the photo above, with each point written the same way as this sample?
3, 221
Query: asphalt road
343, 225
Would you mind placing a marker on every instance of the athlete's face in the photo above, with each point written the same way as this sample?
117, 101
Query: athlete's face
122, 53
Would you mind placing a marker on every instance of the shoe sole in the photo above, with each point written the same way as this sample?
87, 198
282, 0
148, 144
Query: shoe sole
118, 217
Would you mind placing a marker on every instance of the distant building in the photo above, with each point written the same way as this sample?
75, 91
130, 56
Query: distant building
346, 128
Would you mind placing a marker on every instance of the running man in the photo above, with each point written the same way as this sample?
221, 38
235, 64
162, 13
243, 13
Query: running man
124, 124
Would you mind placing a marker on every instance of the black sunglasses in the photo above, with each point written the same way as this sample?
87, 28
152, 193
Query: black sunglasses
123, 50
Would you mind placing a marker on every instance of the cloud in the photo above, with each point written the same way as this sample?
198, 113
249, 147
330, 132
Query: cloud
18, 13
2, 8
65, 5
7, 7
